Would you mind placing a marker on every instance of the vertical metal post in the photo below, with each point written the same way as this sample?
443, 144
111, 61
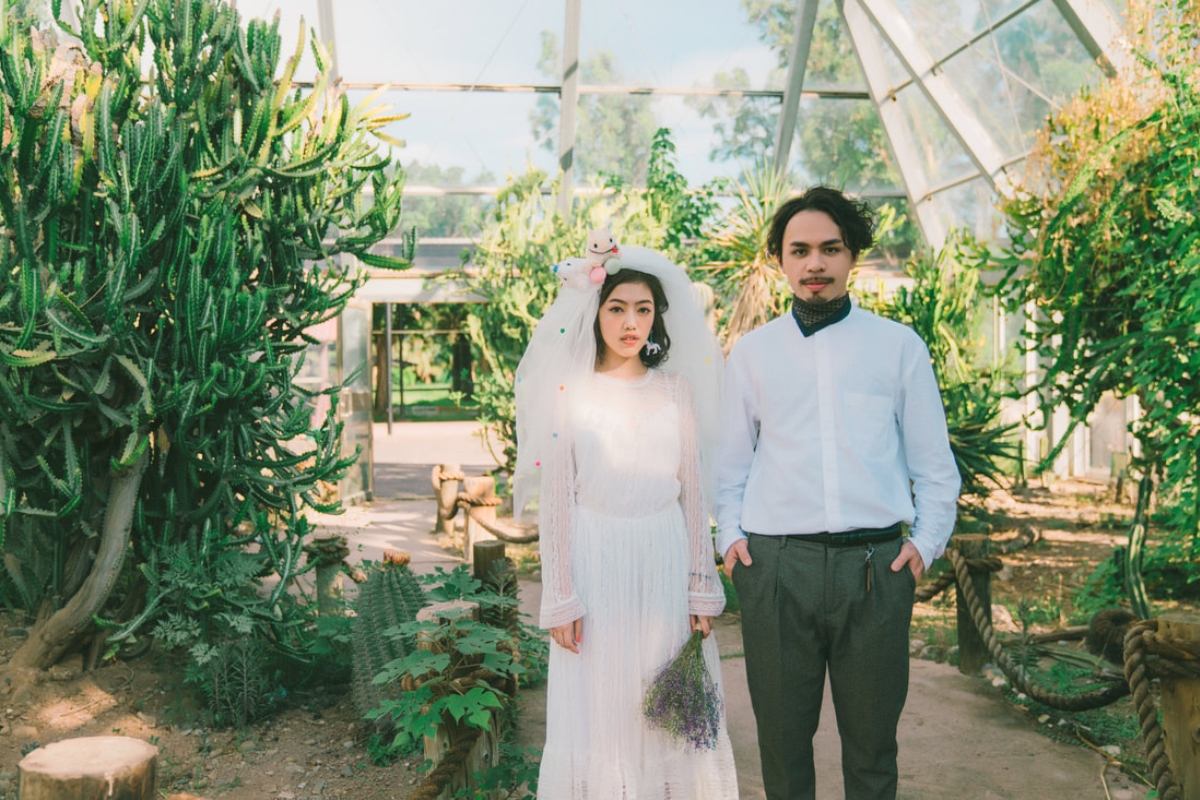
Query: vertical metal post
569, 106
400, 338
806, 18
325, 30
387, 359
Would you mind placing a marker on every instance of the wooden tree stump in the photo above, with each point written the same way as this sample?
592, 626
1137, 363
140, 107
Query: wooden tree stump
1181, 708
329, 554
90, 768
972, 650
484, 555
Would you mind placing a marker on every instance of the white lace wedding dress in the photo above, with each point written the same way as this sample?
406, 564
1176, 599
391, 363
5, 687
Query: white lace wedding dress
625, 545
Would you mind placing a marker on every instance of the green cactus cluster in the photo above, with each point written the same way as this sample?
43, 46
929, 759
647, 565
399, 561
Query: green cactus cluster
391, 596
167, 240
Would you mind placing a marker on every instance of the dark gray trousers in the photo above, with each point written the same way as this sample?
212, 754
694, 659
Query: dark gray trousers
806, 606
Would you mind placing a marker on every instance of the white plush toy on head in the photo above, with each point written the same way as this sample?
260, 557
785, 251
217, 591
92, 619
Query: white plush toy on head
602, 254
573, 272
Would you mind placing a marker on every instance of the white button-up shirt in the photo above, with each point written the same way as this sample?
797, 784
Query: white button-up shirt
834, 432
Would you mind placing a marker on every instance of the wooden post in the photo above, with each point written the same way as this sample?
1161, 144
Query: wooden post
91, 768
485, 555
329, 554
1181, 707
449, 732
447, 496
972, 650
482, 492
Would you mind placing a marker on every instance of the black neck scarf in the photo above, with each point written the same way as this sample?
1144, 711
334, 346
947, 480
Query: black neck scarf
812, 317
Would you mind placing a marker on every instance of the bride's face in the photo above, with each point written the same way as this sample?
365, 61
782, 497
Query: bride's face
625, 319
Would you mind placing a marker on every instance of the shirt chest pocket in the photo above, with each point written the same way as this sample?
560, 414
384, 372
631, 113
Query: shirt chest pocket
869, 422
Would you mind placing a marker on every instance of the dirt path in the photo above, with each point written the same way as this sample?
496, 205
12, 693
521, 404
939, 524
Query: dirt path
959, 738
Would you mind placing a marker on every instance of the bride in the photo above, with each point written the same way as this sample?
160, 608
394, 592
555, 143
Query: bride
616, 406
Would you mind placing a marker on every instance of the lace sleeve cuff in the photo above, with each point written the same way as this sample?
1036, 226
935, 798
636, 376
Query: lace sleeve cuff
555, 614
706, 605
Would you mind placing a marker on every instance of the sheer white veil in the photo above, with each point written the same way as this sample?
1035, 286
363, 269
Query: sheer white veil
561, 357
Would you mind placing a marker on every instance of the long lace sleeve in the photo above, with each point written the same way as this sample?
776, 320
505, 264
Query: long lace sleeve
706, 597
560, 605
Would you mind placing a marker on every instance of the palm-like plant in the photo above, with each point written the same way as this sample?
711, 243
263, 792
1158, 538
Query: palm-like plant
745, 279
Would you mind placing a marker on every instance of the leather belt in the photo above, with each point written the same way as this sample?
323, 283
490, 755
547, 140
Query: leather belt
850, 538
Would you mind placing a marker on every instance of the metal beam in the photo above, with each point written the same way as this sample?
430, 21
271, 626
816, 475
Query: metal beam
328, 34
569, 106
387, 361
937, 87
869, 49
978, 37
534, 88
806, 18
1101, 33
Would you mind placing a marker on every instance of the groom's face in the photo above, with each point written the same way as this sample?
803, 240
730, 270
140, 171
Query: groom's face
814, 258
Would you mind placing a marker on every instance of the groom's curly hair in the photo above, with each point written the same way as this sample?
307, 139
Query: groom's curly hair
854, 219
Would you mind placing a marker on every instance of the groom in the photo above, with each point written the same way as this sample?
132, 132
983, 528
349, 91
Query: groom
833, 436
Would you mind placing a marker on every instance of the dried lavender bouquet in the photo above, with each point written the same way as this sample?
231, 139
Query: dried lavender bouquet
683, 700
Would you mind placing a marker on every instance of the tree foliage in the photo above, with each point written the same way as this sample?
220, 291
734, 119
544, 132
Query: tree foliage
613, 132
166, 242
1106, 246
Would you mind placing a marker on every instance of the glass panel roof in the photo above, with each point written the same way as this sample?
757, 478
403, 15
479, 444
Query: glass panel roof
841, 143
943, 156
1040, 48
653, 43
831, 60
971, 207
487, 135
409, 41
1011, 61
945, 25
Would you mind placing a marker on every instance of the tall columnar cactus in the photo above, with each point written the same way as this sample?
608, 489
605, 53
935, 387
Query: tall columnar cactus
390, 597
165, 242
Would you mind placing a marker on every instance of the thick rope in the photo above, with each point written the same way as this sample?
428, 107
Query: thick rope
1136, 673
440, 776
505, 533
932, 589
440, 475
1094, 698
935, 587
1174, 657
467, 500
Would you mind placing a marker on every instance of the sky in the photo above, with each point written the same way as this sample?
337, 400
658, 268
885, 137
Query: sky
662, 43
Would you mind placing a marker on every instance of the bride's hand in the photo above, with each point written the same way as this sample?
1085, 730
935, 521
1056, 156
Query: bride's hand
702, 624
569, 636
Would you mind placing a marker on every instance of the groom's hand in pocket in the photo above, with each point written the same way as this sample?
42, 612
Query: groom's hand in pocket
738, 552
